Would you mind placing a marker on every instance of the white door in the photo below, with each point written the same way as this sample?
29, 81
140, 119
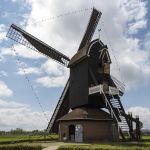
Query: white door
78, 133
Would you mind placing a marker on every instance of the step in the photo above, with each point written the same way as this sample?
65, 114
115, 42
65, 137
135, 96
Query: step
114, 103
116, 106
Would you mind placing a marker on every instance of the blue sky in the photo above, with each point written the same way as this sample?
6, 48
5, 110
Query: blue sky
125, 29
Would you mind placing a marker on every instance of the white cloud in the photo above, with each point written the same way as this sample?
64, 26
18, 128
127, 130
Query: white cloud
17, 115
50, 82
52, 68
29, 70
146, 42
3, 74
136, 11
4, 90
57, 75
2, 32
21, 51
10, 104
134, 64
143, 113
134, 27
13, 0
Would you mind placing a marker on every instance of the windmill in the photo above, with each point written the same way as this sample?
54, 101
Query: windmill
89, 90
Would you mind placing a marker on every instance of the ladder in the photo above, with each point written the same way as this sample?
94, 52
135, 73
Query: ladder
123, 124
58, 107
116, 110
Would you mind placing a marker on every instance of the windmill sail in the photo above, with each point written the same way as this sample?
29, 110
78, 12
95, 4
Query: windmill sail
61, 109
94, 19
17, 34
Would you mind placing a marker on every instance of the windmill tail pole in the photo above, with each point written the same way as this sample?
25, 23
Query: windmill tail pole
138, 128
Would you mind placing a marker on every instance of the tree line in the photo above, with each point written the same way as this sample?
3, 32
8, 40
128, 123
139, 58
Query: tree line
19, 131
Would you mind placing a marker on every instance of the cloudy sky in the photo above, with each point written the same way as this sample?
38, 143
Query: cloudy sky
125, 28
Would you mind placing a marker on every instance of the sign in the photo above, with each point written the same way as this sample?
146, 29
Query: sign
113, 90
95, 89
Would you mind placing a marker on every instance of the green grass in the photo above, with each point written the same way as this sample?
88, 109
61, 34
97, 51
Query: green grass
35, 141
10, 139
20, 147
105, 147
102, 147
144, 144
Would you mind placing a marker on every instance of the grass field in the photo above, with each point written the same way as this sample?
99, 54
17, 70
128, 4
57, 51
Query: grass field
144, 144
20, 147
25, 140
10, 139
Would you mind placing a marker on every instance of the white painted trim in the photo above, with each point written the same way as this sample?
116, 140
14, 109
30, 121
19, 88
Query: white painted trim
91, 46
96, 89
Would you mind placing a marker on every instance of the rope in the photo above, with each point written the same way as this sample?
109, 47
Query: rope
29, 82
59, 16
99, 30
112, 50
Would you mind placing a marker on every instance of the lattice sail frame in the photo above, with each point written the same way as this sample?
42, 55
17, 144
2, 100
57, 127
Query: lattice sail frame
17, 37
20, 36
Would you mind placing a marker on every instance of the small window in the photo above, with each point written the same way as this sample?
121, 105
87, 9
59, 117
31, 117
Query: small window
106, 68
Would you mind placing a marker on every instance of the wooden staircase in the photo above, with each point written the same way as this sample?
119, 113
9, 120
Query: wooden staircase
124, 121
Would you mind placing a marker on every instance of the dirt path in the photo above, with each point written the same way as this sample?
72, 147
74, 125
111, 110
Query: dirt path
52, 147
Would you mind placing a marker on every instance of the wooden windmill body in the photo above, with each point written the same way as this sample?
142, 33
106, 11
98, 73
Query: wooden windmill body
79, 115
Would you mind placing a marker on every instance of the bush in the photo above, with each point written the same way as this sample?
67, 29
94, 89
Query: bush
20, 147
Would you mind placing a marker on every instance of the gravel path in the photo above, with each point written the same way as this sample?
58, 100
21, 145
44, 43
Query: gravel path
56, 145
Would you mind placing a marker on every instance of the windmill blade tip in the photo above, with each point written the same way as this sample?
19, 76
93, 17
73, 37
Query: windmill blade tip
95, 9
12, 25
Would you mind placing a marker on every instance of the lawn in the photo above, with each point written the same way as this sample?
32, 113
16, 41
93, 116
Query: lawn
144, 144
10, 139
105, 147
35, 141
25, 142
20, 147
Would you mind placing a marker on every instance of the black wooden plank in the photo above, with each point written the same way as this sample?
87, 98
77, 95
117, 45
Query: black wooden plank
94, 19
79, 85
